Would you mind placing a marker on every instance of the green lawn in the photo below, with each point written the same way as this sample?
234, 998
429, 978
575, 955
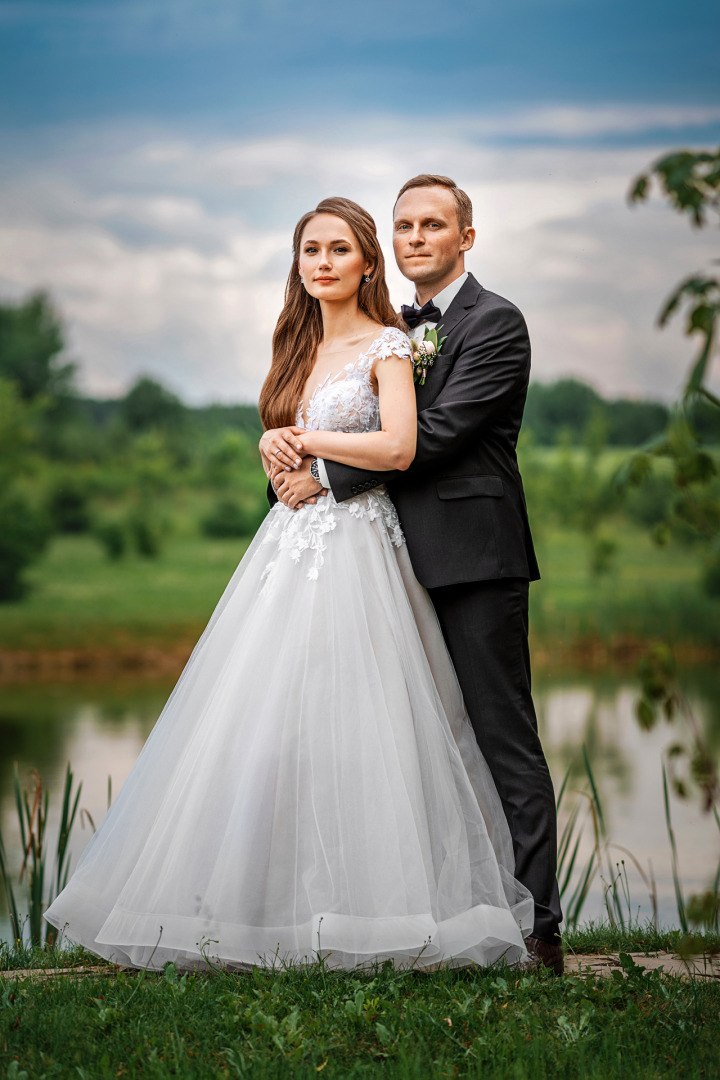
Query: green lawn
301, 1024
649, 591
81, 600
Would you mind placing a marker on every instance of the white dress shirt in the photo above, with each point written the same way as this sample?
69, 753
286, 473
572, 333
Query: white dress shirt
443, 300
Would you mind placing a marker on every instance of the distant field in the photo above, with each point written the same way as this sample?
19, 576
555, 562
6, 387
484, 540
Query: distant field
80, 600
650, 591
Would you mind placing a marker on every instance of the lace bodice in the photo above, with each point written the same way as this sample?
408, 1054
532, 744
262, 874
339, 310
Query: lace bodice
343, 401
346, 400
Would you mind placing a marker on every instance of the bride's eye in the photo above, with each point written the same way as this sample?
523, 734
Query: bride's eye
342, 250
310, 250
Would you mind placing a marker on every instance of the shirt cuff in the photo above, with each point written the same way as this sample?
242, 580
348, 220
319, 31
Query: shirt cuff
322, 473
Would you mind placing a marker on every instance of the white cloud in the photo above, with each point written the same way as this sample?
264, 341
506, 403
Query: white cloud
561, 121
169, 254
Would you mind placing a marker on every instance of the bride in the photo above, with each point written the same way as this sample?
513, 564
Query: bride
313, 787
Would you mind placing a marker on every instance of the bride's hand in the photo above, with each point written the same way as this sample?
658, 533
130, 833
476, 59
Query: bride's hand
272, 468
280, 445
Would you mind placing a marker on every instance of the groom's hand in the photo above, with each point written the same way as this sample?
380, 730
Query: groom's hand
298, 487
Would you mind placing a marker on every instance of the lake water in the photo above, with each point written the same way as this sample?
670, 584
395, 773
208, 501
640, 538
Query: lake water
100, 728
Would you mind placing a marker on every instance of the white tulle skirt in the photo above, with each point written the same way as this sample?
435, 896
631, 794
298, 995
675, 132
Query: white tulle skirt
313, 786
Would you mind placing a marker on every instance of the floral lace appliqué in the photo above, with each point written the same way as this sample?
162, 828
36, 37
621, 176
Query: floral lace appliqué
296, 532
345, 401
300, 534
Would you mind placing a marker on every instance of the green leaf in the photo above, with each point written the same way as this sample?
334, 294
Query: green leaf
639, 190
697, 375
646, 715
383, 1034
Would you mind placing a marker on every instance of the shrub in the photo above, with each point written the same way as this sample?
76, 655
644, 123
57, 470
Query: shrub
650, 503
602, 556
711, 576
146, 532
230, 518
24, 535
112, 536
69, 506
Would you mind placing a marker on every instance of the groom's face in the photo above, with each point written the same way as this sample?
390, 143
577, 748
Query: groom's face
428, 243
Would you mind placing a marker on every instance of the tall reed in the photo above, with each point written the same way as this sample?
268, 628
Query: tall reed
32, 804
574, 879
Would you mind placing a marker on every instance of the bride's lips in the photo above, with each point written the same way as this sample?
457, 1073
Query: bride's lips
325, 280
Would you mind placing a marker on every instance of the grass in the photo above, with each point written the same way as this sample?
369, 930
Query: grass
79, 600
309, 1023
650, 591
591, 937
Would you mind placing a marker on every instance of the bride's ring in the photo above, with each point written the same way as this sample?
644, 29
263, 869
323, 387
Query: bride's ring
277, 451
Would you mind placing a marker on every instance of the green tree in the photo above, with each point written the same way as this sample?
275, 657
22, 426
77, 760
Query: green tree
569, 405
690, 181
565, 406
149, 405
32, 342
24, 526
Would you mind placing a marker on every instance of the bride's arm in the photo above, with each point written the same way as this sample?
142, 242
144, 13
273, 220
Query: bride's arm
393, 447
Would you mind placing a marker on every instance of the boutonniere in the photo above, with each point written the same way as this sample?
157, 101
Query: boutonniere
425, 353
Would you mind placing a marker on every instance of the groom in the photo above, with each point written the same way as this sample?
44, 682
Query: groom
462, 509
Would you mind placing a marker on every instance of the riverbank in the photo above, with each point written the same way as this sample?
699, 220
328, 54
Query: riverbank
86, 615
22, 666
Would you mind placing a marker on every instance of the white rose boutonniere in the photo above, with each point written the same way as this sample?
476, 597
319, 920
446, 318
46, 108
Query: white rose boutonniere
424, 354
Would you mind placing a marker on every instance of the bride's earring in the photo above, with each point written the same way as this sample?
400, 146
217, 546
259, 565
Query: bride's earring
366, 278
302, 280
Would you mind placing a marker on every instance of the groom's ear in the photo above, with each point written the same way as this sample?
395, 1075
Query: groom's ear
467, 239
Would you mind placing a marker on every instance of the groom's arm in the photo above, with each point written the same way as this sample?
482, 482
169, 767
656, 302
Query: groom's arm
491, 370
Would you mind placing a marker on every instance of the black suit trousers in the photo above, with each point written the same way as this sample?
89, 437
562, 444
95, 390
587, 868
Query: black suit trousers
485, 625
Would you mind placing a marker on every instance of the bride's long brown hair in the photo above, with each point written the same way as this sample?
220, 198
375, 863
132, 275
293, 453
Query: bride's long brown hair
299, 329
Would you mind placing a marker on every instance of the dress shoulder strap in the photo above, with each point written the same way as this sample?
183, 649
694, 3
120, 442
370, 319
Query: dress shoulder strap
390, 342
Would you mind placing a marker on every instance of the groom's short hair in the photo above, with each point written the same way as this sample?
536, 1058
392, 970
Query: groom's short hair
462, 200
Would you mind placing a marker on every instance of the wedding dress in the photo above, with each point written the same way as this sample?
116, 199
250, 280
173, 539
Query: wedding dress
313, 786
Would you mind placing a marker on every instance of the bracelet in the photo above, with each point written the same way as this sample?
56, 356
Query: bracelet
314, 470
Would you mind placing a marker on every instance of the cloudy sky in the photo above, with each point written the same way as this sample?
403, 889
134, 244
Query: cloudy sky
157, 153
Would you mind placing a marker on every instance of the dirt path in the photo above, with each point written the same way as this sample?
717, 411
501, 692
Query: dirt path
699, 967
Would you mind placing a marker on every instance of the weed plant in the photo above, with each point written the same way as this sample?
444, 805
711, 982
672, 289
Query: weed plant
303, 1023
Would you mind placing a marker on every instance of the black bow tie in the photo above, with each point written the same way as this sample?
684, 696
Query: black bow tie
427, 313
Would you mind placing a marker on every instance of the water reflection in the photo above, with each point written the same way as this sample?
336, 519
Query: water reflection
100, 728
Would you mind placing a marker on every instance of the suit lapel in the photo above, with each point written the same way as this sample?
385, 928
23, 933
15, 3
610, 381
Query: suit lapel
463, 303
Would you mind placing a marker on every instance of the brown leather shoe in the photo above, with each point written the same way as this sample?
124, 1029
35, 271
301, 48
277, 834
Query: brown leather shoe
544, 954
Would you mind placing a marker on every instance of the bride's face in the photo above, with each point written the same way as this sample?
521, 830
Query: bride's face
331, 260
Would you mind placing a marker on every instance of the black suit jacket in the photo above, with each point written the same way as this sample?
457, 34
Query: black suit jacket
461, 502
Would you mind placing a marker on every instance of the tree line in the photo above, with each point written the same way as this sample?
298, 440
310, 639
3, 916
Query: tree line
112, 467
32, 347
